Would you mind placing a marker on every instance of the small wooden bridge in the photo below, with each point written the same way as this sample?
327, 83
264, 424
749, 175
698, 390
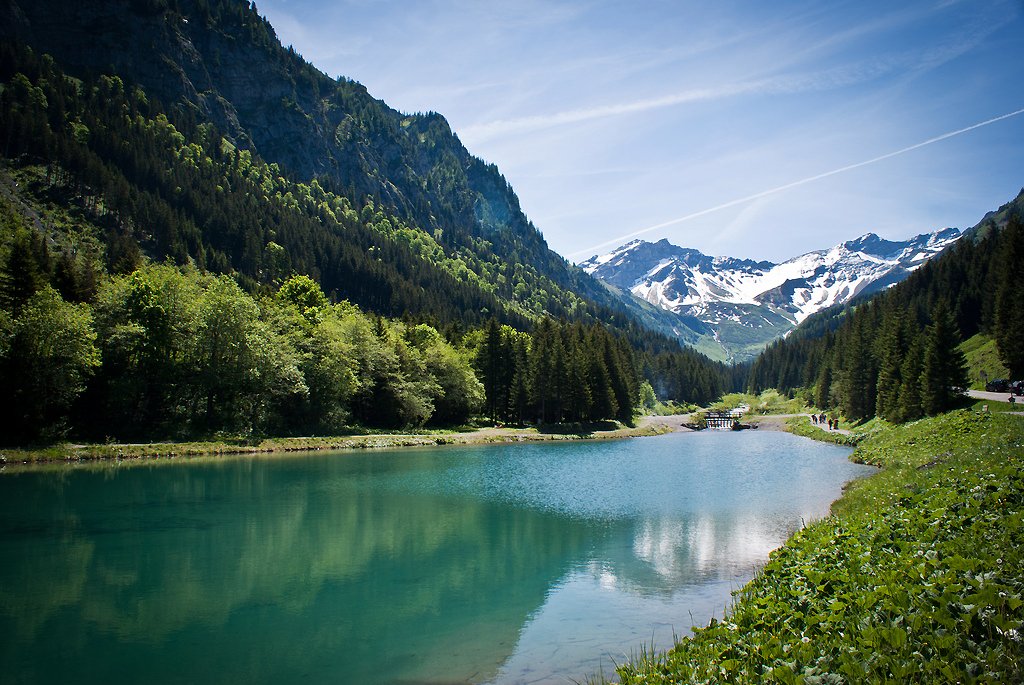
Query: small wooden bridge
725, 420
720, 421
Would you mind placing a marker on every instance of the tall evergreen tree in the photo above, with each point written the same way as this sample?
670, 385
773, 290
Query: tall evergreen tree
910, 404
1009, 325
577, 387
857, 399
892, 348
603, 402
492, 364
24, 272
624, 383
944, 367
519, 395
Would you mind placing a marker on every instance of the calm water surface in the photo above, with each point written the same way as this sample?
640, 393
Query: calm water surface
536, 563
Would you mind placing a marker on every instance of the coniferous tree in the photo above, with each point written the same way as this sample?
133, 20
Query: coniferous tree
24, 272
542, 370
603, 402
577, 387
892, 348
1009, 324
857, 398
492, 365
944, 368
911, 407
823, 386
619, 361
519, 395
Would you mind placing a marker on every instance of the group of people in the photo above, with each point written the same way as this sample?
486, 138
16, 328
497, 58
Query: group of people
821, 420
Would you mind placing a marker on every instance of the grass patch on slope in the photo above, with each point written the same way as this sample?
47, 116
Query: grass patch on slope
983, 360
918, 576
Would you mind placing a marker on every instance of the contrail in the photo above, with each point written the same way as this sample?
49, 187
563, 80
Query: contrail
732, 203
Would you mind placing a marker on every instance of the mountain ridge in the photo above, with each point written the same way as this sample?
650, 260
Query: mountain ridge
116, 128
748, 303
220, 62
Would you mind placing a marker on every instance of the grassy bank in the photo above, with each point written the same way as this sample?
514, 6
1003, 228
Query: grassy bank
365, 440
801, 425
918, 576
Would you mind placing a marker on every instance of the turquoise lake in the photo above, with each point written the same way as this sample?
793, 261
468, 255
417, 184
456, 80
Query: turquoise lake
527, 563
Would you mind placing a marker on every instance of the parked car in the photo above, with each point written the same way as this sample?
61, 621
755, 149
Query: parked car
998, 385
1017, 387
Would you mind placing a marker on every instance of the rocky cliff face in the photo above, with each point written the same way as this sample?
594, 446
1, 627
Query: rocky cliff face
747, 304
220, 61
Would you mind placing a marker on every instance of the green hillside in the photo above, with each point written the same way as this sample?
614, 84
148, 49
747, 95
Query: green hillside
101, 184
983, 363
217, 65
900, 354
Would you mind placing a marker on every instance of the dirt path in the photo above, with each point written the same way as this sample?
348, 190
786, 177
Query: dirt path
777, 422
994, 396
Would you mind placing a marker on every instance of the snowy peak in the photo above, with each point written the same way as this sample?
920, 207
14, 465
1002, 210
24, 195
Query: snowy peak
730, 293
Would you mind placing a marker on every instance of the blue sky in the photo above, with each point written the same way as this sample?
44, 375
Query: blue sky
747, 129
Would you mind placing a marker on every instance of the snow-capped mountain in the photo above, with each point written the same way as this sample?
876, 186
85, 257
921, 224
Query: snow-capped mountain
746, 303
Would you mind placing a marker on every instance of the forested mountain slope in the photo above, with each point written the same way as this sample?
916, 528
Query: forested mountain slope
100, 181
220, 62
895, 355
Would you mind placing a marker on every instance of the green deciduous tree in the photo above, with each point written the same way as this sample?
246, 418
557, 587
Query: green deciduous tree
51, 355
241, 366
305, 295
459, 394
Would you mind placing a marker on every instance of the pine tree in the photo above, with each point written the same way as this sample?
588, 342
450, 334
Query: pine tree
910, 407
892, 348
625, 385
543, 371
519, 395
24, 272
857, 399
490, 363
944, 367
823, 386
1009, 328
577, 387
603, 402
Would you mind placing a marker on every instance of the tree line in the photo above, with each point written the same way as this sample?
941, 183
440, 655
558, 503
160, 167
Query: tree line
171, 353
896, 355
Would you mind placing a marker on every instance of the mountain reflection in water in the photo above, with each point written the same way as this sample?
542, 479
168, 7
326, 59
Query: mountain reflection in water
450, 565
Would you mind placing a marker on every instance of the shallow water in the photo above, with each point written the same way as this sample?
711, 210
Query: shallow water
537, 563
